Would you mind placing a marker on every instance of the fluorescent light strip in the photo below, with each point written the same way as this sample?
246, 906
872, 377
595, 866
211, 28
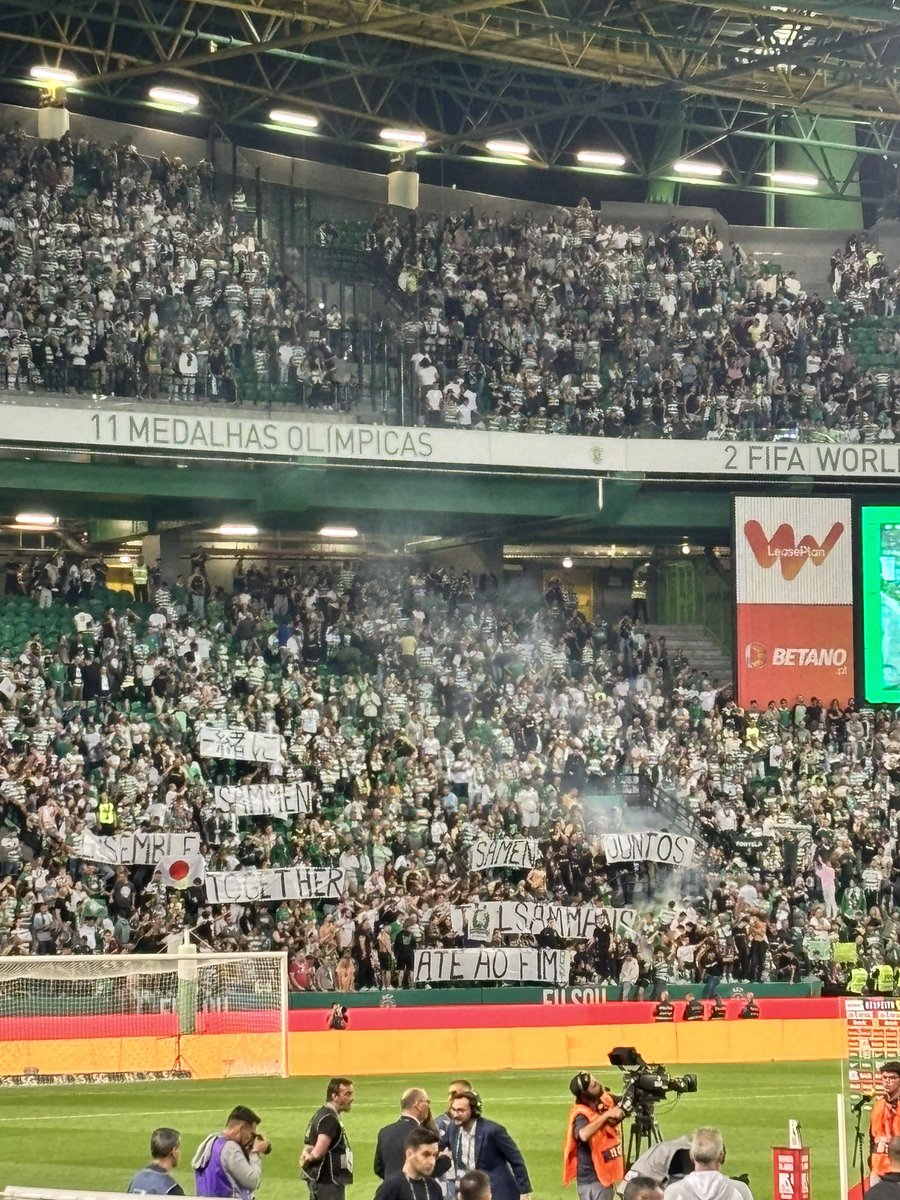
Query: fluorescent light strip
174, 98
237, 531
404, 137
799, 179
601, 158
693, 166
53, 76
344, 532
508, 148
296, 120
42, 520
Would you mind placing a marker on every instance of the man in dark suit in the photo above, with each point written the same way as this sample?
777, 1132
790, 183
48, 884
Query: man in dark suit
390, 1151
478, 1144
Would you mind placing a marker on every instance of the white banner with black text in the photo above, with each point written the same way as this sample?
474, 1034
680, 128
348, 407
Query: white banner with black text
491, 964
674, 850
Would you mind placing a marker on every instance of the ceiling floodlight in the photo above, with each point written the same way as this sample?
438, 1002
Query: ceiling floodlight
174, 98
338, 531
797, 179
237, 531
43, 520
404, 137
694, 166
507, 148
294, 120
53, 77
600, 158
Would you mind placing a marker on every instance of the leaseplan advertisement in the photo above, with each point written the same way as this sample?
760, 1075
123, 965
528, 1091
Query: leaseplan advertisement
794, 592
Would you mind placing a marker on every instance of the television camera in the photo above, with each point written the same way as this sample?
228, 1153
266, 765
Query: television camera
645, 1084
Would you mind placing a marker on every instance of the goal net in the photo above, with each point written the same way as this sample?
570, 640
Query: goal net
209, 1016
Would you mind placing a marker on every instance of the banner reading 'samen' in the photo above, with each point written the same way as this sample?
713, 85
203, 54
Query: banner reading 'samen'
289, 883
492, 965
674, 850
517, 853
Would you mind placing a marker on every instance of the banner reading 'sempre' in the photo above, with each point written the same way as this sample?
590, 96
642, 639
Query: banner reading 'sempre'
794, 591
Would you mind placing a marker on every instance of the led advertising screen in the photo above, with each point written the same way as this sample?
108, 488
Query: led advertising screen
794, 593
879, 531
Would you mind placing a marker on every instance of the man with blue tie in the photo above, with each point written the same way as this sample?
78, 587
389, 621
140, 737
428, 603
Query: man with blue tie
476, 1143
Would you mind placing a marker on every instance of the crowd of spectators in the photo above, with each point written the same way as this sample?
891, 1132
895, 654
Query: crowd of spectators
578, 325
129, 277
429, 710
133, 278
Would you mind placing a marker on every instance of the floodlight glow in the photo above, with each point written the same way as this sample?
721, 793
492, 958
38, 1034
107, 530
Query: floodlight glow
508, 149
296, 120
600, 158
338, 531
237, 531
567, 562
174, 98
124, 559
694, 166
53, 77
404, 137
44, 520
798, 179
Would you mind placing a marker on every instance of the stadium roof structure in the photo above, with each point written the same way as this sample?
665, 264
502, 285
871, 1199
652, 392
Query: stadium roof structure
751, 85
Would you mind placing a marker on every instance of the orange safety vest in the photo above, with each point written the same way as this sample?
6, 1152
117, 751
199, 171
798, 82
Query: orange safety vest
605, 1144
883, 1125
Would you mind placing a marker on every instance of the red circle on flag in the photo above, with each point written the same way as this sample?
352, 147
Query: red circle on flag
179, 869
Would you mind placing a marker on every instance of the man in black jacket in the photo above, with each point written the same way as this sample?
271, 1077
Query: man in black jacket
390, 1146
414, 1181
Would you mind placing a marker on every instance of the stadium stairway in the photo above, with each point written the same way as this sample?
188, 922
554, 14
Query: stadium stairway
700, 649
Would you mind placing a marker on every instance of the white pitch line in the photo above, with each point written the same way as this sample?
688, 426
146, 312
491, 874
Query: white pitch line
152, 1112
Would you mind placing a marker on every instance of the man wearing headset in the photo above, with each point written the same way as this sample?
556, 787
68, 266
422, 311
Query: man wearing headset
592, 1150
478, 1144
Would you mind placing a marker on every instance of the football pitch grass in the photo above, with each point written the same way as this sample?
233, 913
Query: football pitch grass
95, 1136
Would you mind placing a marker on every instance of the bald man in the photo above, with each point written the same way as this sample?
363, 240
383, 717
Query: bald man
390, 1152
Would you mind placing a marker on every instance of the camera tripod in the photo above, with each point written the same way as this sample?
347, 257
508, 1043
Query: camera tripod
644, 1134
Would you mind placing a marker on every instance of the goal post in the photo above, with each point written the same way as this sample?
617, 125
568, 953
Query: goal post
207, 1016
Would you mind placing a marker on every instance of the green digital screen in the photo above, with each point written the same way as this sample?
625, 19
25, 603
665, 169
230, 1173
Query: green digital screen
880, 548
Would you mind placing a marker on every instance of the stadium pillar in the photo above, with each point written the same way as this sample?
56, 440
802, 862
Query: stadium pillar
822, 212
53, 121
668, 149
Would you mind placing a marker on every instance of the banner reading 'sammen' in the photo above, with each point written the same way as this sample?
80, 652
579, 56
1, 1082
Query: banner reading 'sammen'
235, 742
135, 848
517, 853
516, 917
672, 849
491, 965
291, 883
264, 799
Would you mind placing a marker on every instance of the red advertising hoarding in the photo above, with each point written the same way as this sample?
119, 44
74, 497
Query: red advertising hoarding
794, 591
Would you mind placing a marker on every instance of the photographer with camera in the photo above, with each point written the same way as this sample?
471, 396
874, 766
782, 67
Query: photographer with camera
229, 1164
592, 1151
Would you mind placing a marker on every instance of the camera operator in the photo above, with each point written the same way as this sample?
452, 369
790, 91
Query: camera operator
706, 1181
592, 1151
230, 1163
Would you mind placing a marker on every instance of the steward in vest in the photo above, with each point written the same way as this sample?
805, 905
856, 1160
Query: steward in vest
592, 1149
718, 1012
750, 1011
693, 1010
665, 1009
106, 816
884, 1122
884, 980
858, 982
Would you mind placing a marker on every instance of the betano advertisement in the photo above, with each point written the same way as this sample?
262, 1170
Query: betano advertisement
794, 592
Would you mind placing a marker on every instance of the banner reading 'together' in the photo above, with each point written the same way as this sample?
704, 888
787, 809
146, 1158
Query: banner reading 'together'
794, 592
